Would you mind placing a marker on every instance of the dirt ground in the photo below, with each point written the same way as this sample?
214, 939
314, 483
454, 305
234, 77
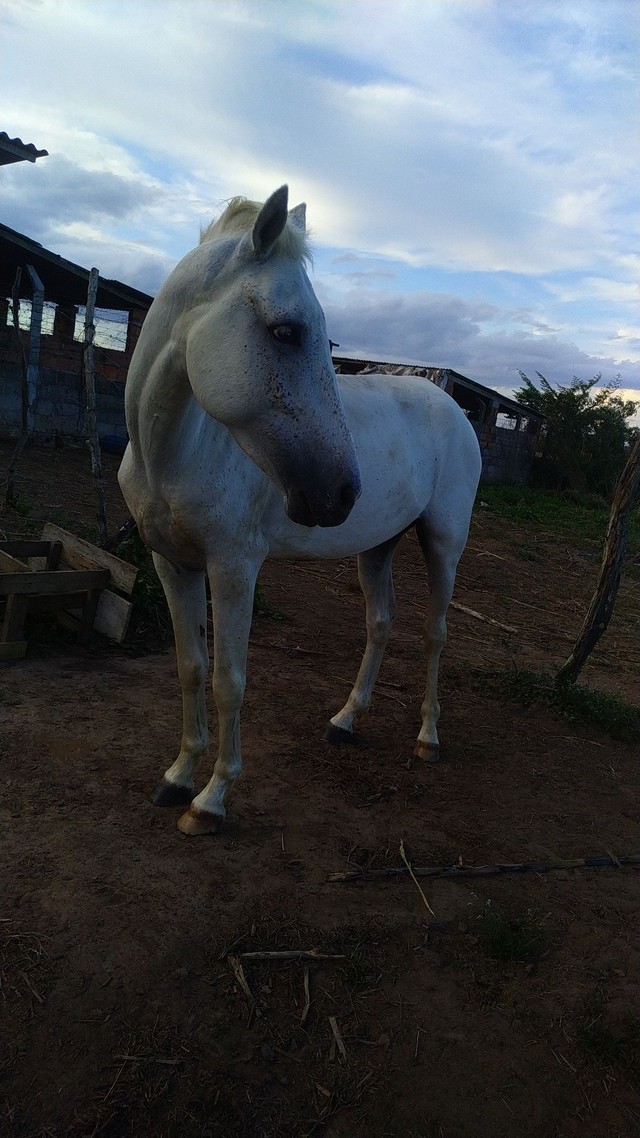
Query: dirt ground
120, 1010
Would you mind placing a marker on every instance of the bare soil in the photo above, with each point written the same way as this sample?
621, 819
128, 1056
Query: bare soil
120, 1011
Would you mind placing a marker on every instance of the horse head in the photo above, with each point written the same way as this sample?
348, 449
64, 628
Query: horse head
259, 361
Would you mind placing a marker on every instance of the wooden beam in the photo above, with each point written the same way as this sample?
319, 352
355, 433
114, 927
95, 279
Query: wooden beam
9, 564
71, 581
123, 575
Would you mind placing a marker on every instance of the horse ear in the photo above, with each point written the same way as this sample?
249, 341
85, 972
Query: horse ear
270, 222
298, 216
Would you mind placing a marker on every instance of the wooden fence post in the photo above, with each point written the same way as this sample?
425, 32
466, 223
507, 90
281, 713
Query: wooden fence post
10, 493
625, 498
93, 441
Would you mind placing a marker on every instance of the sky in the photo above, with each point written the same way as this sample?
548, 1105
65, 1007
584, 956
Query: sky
471, 167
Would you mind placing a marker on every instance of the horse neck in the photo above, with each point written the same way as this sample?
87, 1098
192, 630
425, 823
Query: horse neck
159, 395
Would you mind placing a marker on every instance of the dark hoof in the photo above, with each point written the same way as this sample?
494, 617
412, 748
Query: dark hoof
430, 752
172, 794
338, 737
197, 822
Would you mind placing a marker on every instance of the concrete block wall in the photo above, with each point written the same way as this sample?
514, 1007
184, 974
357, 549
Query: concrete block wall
57, 396
58, 407
507, 455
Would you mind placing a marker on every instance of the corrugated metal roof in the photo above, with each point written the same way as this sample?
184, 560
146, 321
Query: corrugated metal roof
15, 150
353, 366
64, 282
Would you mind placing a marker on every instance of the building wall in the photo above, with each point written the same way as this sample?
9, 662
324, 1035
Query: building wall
58, 410
507, 455
58, 399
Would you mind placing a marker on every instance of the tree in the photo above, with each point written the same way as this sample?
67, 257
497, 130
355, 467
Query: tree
587, 435
625, 500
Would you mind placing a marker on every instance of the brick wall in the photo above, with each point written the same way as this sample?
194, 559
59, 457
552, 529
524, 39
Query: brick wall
58, 400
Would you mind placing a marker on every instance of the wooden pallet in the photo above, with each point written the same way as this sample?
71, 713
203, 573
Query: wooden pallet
64, 574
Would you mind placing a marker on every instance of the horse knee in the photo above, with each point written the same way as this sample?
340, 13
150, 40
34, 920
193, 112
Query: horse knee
228, 691
378, 630
192, 673
435, 634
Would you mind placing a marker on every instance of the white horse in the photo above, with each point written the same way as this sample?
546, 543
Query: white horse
245, 445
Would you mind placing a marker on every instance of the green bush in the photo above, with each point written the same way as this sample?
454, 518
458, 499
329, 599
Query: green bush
586, 434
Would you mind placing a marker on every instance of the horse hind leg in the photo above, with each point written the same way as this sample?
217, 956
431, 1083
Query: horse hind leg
186, 596
376, 580
442, 551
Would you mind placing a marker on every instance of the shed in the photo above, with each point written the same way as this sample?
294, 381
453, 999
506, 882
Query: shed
55, 402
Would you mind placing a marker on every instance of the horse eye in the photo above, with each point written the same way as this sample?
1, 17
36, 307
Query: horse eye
287, 334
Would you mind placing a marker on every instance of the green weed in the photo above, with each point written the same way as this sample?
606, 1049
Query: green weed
577, 703
22, 507
515, 940
573, 702
262, 607
581, 517
151, 612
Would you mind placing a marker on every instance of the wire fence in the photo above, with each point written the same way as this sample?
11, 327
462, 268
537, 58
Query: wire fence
111, 325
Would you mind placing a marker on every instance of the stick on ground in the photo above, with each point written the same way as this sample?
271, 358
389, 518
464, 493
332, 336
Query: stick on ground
414, 878
307, 998
238, 972
337, 1036
290, 954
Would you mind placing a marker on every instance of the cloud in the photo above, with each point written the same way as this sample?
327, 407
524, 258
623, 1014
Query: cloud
445, 331
65, 192
452, 149
486, 143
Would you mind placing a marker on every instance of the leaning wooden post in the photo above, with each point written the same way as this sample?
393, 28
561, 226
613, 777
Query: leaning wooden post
90, 388
626, 497
10, 493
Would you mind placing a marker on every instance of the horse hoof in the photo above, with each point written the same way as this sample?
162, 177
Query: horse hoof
195, 822
171, 794
430, 752
338, 737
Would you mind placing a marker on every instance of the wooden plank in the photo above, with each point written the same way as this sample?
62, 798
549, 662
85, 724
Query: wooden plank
88, 615
123, 575
113, 615
9, 564
52, 559
111, 619
13, 622
65, 581
73, 559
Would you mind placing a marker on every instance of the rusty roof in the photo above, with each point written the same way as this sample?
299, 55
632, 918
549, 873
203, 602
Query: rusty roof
355, 364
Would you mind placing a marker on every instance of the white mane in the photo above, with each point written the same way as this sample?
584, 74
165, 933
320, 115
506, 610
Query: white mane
240, 216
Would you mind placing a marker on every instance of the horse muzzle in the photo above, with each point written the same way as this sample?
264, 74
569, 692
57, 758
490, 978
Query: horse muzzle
308, 508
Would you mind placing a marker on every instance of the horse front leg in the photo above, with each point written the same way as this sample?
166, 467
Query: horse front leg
187, 599
376, 581
232, 592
